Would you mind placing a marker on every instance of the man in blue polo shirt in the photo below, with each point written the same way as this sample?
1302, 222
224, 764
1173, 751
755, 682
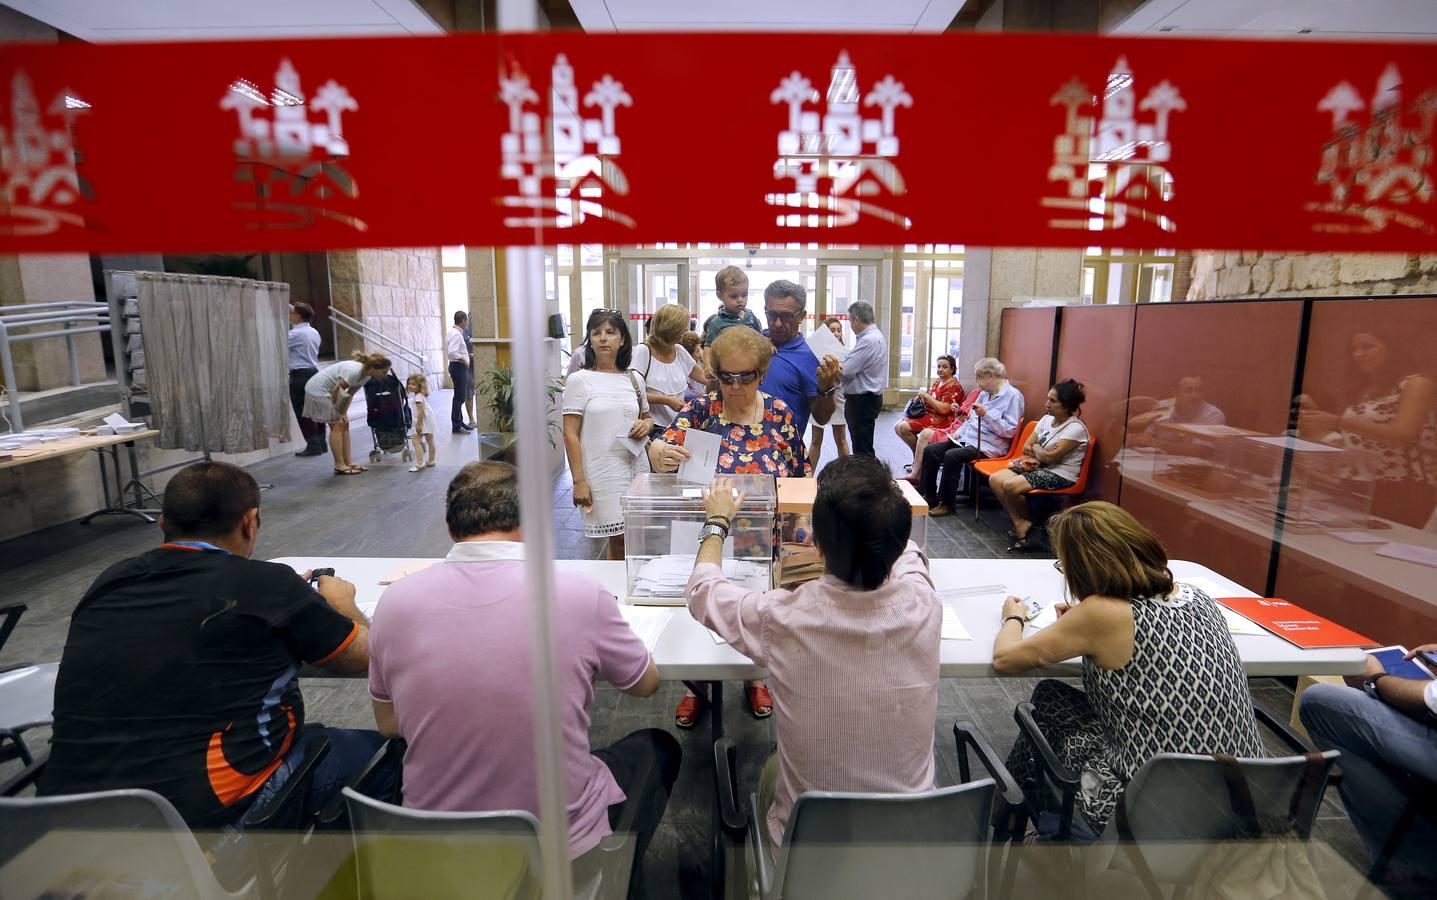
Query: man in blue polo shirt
795, 375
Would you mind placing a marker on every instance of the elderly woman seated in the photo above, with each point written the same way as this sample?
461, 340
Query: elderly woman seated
757, 437
986, 432
1051, 459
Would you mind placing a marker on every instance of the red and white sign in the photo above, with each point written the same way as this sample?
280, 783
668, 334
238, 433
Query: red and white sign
1295, 624
485, 139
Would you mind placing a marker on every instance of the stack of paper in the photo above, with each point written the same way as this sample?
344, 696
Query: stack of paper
1423, 556
666, 576
797, 564
117, 424
1236, 624
953, 629
648, 622
979, 590
37, 437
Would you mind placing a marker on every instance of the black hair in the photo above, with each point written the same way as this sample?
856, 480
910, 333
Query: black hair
1070, 395
460, 317
952, 363
208, 500
306, 312
482, 498
861, 520
626, 347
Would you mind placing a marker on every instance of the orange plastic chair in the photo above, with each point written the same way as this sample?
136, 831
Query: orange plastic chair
1078, 486
986, 467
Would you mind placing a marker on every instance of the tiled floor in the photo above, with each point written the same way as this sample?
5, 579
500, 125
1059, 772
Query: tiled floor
390, 512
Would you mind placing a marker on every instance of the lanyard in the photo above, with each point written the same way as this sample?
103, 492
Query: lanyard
201, 546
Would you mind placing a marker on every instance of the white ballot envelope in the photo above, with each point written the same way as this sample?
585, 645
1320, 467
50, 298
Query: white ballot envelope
705, 448
823, 343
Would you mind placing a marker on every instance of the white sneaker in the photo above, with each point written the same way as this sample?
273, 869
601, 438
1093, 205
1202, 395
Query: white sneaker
415, 468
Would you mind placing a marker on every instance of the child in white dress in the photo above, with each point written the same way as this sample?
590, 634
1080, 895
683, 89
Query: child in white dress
418, 387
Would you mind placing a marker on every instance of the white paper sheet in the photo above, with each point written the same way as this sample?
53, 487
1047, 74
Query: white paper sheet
1297, 444
953, 629
1047, 616
636, 446
1358, 537
705, 447
1236, 624
823, 343
715, 635
684, 539
978, 590
1423, 556
648, 622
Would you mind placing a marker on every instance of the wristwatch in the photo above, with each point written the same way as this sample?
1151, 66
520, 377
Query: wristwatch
712, 529
1369, 685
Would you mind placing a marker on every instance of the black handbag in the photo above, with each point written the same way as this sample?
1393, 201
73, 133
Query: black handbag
916, 408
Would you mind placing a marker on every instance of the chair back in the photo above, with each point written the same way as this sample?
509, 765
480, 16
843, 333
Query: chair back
1020, 437
1178, 805
406, 853
129, 842
914, 846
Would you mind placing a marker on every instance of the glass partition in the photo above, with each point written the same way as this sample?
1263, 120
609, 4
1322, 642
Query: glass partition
1026, 348
1095, 347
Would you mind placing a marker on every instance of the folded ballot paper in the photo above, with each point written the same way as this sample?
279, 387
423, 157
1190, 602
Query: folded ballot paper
647, 622
117, 424
662, 579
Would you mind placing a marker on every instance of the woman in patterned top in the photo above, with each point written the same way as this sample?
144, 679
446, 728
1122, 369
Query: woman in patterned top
758, 437
1161, 673
1389, 430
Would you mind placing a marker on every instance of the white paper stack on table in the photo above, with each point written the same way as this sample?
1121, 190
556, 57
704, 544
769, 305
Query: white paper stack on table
667, 576
118, 424
1236, 624
648, 622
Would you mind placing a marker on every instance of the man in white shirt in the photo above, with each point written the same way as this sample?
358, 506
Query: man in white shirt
457, 348
303, 365
865, 376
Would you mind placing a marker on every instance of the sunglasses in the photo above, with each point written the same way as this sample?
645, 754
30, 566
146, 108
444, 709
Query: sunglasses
783, 316
738, 377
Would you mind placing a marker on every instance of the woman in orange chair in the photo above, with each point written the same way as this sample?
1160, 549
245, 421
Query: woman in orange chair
1051, 459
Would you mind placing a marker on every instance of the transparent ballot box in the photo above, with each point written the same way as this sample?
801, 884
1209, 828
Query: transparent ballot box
662, 520
795, 509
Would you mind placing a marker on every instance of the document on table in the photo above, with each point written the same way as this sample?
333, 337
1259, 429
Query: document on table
1423, 556
636, 446
1295, 444
953, 629
684, 540
648, 622
823, 343
979, 590
705, 447
404, 571
1236, 624
715, 635
1358, 537
1045, 617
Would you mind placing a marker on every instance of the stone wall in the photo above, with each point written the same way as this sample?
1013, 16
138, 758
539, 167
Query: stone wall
395, 291
1219, 275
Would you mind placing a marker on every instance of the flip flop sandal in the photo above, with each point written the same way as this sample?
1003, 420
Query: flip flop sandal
345, 472
1024, 544
687, 714
760, 702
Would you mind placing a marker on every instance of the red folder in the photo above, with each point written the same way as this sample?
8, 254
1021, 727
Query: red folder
1295, 624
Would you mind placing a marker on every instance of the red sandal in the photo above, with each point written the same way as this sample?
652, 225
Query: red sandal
760, 702
687, 714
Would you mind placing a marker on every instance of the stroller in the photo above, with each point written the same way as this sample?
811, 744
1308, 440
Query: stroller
388, 416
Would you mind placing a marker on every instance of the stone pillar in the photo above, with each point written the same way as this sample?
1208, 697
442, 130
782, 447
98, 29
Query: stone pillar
394, 291
35, 278
997, 278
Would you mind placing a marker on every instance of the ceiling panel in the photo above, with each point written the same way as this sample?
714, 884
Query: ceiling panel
142, 20
1295, 19
907, 16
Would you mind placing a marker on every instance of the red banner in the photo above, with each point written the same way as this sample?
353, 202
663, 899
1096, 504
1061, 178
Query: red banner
1005, 140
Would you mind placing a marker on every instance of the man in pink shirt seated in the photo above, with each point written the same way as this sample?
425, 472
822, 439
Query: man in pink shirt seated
852, 657
449, 671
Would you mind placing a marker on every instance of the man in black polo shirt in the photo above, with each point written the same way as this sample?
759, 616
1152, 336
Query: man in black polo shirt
180, 672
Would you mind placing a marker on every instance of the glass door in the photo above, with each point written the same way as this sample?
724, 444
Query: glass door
640, 286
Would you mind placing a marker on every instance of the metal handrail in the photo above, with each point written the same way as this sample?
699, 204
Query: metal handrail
87, 313
339, 318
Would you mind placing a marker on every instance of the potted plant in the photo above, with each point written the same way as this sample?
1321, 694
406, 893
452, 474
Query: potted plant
496, 387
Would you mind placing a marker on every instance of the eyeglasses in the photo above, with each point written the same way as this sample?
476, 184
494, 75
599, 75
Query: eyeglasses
783, 316
738, 377
613, 312
1058, 564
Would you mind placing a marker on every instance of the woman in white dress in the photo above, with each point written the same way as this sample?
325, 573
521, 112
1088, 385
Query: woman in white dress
604, 402
665, 365
326, 399
836, 421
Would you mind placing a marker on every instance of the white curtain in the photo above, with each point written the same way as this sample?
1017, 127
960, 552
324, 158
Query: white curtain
216, 360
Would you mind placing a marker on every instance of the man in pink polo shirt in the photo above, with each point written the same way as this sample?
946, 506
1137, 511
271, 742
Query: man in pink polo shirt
852, 657
450, 672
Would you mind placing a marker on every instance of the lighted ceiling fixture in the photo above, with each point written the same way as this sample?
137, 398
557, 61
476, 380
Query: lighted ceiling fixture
282, 97
246, 88
75, 103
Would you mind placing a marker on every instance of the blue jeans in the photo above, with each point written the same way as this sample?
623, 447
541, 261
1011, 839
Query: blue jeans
1377, 743
349, 750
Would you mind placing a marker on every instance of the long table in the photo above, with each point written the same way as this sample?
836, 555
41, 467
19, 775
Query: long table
104, 445
687, 652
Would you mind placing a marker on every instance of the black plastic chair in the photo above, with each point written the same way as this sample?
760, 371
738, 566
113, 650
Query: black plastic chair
27, 694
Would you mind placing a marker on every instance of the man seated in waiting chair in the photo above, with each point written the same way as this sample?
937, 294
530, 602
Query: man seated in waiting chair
1052, 460
1161, 673
1386, 731
180, 672
451, 674
852, 657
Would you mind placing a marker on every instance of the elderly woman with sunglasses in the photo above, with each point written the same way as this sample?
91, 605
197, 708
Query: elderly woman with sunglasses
758, 437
